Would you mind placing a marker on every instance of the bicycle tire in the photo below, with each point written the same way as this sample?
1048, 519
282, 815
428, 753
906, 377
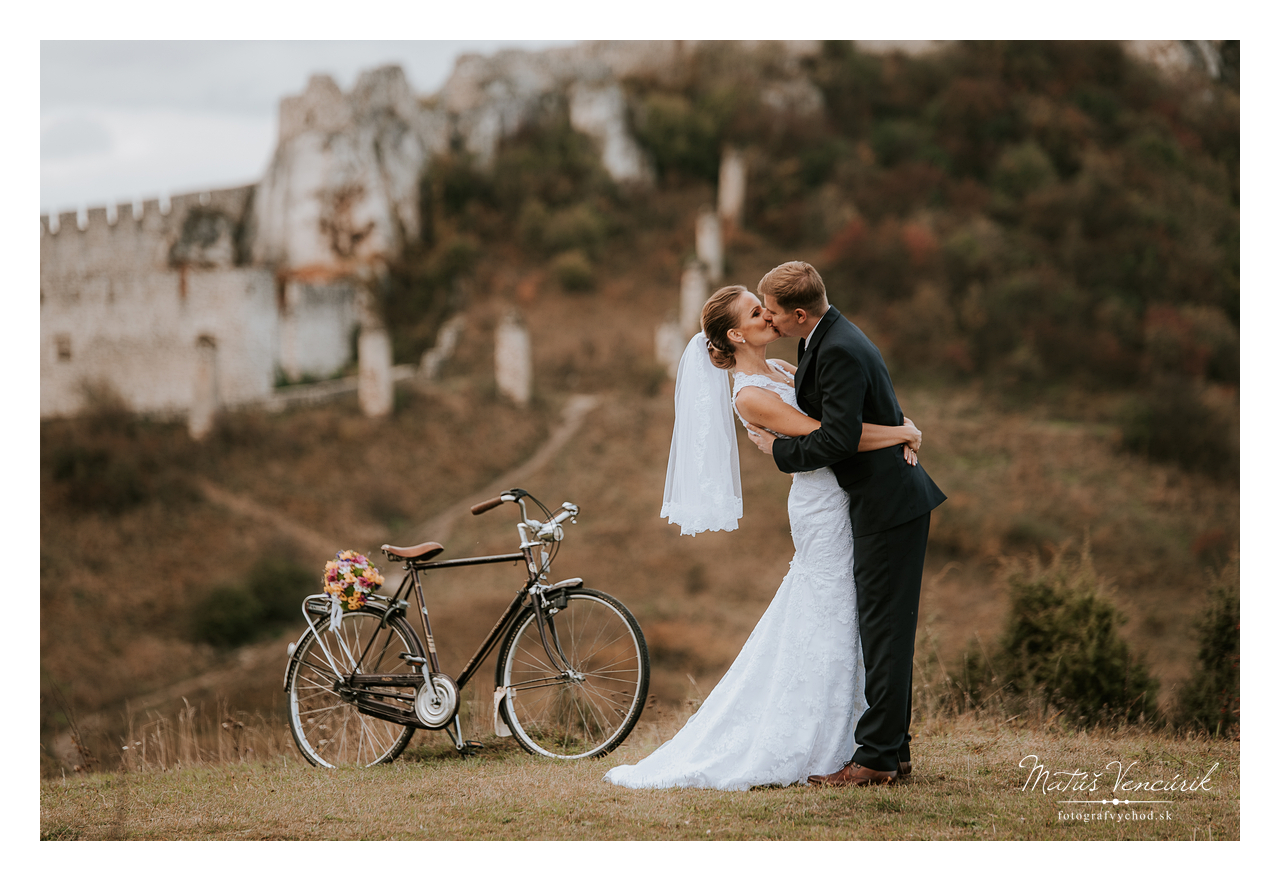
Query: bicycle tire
327, 727
552, 716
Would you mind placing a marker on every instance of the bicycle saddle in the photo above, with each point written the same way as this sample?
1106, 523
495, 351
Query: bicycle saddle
418, 553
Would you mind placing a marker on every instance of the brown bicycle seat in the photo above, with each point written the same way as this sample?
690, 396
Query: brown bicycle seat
418, 553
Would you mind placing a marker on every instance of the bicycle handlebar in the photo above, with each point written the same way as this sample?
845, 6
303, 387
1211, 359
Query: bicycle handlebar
486, 505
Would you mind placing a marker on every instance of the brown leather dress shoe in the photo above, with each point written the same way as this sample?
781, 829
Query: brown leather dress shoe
904, 769
854, 774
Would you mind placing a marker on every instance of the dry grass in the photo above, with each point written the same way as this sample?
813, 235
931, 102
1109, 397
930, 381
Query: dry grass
968, 786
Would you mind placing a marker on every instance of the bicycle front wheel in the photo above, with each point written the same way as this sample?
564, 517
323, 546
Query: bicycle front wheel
328, 728
591, 707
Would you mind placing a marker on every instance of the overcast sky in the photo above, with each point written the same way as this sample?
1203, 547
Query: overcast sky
124, 120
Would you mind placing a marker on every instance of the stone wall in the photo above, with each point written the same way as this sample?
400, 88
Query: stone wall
125, 304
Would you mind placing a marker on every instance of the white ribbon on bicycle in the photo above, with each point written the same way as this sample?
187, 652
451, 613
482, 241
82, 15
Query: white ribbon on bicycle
500, 727
335, 611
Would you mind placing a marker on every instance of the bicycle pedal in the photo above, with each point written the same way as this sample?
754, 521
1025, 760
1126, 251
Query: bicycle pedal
412, 659
470, 747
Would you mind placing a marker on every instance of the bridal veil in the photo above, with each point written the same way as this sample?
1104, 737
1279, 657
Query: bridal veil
704, 484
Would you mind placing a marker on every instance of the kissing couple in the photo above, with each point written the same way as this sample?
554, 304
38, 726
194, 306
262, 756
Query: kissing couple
821, 691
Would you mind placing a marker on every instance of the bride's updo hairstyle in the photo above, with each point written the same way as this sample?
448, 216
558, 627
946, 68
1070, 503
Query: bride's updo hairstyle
719, 316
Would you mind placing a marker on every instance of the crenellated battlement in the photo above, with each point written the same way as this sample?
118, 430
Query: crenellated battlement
232, 201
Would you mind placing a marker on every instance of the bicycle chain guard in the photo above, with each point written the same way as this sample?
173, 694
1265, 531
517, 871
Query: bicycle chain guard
436, 707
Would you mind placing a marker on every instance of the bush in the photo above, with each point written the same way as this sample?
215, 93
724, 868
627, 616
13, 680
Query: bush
1196, 341
421, 288
681, 136
1062, 645
112, 461
1022, 170
574, 271
1173, 423
1210, 700
94, 478
578, 226
237, 613
229, 616
548, 161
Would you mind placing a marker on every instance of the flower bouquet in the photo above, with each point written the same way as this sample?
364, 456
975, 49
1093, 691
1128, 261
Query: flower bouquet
348, 580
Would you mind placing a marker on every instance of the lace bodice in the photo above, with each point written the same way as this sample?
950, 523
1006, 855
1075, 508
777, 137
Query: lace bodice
781, 389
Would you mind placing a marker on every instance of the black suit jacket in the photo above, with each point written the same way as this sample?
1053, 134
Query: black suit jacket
842, 381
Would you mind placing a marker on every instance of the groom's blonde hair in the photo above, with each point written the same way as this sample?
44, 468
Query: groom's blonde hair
795, 285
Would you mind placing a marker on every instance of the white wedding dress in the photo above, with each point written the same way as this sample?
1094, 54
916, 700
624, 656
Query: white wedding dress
787, 707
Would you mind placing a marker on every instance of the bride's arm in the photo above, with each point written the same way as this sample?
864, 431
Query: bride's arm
764, 408
877, 437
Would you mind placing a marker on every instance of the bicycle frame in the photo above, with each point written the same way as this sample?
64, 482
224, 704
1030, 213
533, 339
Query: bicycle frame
535, 537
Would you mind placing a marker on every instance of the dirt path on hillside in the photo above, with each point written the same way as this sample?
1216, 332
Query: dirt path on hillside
439, 527
254, 661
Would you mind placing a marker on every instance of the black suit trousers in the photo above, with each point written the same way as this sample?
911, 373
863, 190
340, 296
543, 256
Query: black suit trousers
887, 569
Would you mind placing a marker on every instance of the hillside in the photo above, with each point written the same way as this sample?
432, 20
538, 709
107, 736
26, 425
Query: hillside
1019, 481
1044, 244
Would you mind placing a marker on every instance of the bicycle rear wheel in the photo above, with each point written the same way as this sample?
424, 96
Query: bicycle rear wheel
590, 709
328, 728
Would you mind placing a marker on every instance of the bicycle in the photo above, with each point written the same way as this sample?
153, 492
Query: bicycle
571, 678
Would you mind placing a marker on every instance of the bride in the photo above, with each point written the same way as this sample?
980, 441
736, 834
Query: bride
787, 707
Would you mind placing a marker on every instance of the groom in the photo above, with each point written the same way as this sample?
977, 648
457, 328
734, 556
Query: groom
842, 382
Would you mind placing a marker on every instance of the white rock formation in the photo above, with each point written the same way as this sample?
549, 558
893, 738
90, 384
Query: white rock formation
342, 188
709, 245
693, 296
731, 195
375, 388
668, 346
204, 396
513, 359
600, 111
434, 359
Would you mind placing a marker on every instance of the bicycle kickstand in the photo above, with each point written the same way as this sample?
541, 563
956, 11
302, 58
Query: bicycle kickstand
465, 748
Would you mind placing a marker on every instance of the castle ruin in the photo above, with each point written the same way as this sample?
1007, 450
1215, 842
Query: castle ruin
211, 300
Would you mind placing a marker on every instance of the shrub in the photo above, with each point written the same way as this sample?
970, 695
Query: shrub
574, 271
229, 616
111, 461
420, 289
548, 161
236, 613
1173, 423
901, 140
1193, 340
454, 182
531, 223
577, 226
1062, 645
682, 138
1023, 169
1210, 700
94, 478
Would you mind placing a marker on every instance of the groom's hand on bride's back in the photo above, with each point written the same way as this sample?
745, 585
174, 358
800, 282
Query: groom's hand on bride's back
761, 438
